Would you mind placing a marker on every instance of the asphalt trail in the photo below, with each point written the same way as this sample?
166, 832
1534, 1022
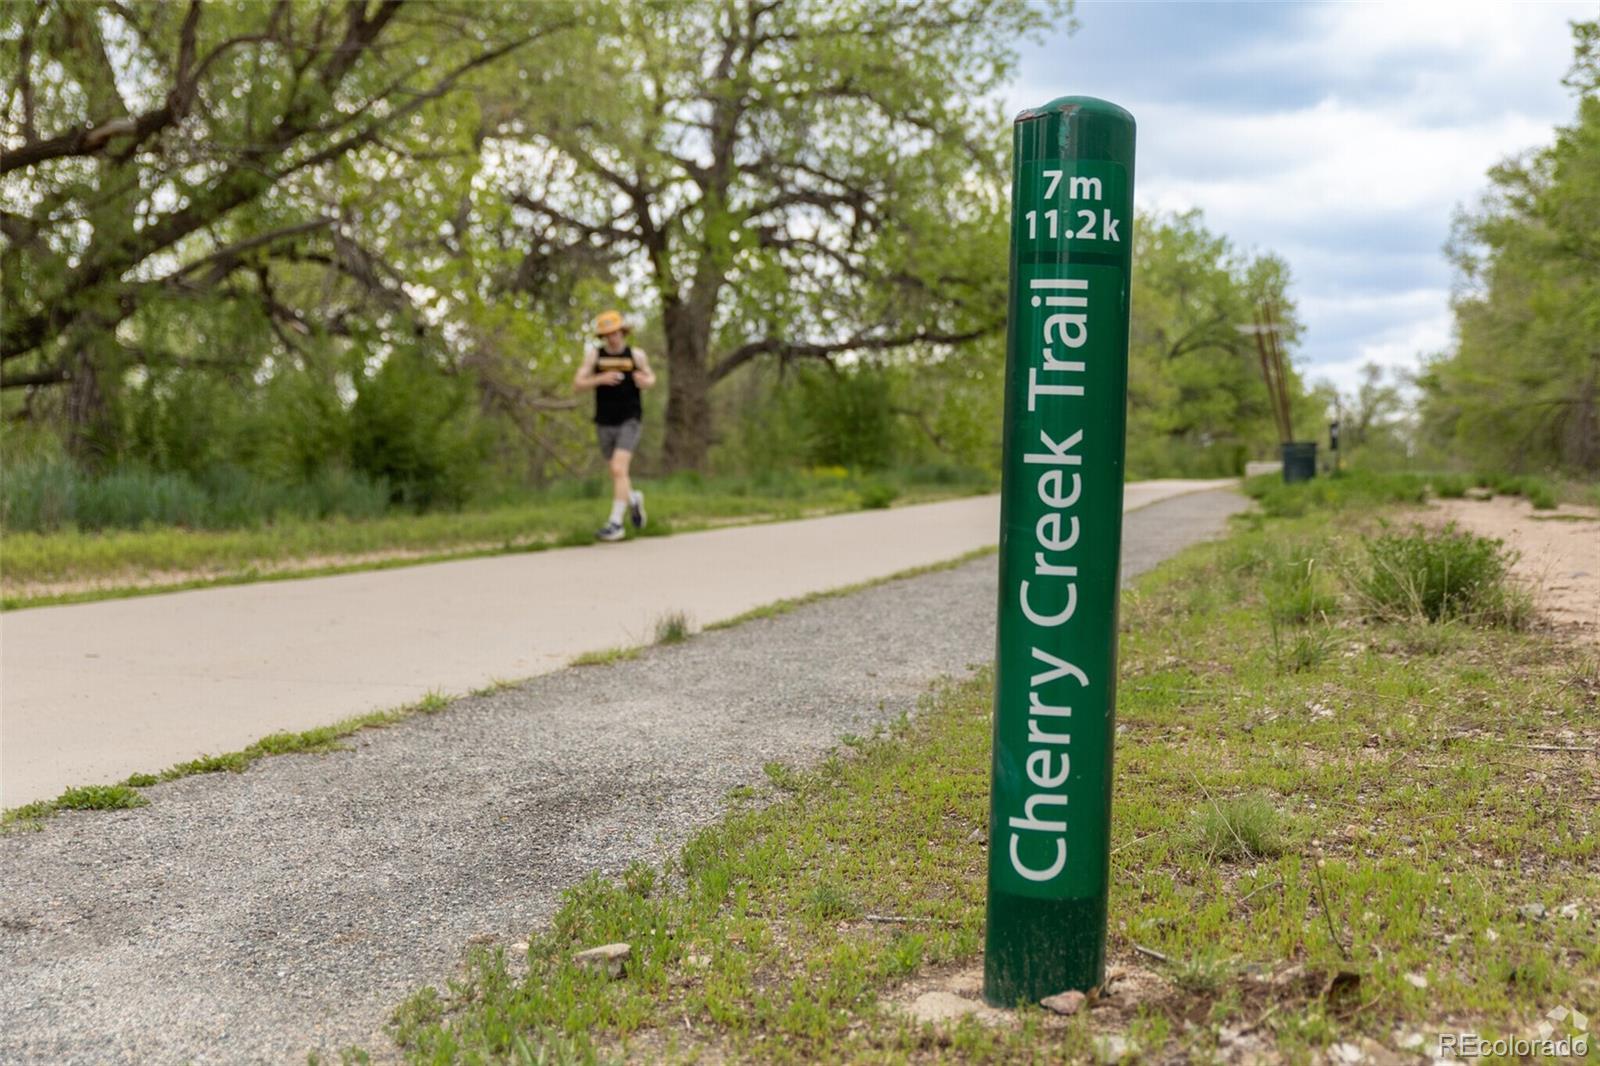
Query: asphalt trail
259, 916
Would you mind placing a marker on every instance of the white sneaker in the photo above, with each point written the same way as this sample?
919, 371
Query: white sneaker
611, 531
636, 509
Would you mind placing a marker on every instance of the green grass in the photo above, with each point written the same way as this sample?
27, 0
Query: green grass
673, 628
1302, 847
1238, 828
1353, 490
119, 562
605, 657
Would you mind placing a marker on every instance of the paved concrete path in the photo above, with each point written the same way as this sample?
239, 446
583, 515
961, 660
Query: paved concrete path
244, 918
94, 692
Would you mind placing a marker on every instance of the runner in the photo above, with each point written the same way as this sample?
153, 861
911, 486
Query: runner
616, 373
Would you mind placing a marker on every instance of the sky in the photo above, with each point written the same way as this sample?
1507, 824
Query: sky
1342, 137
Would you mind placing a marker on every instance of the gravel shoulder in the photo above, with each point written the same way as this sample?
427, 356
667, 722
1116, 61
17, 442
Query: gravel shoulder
256, 917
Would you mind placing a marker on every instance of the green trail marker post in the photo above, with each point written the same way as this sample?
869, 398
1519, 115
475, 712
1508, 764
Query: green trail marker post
1060, 549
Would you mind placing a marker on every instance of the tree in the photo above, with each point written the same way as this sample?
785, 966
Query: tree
1521, 386
1197, 401
168, 165
788, 179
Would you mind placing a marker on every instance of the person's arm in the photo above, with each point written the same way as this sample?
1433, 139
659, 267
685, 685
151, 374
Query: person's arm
586, 378
643, 376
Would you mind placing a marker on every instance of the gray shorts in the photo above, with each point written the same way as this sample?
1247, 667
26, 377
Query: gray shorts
624, 436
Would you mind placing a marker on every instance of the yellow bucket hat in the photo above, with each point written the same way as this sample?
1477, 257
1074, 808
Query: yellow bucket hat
609, 322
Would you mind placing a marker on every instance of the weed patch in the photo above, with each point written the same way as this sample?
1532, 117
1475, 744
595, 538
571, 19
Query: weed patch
606, 656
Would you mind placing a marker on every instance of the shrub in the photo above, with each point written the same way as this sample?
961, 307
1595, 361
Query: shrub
1438, 575
1540, 493
876, 495
1449, 486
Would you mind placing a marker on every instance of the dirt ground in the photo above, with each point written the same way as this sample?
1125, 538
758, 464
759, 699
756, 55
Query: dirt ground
1559, 554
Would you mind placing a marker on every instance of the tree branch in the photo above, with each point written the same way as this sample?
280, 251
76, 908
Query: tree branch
858, 343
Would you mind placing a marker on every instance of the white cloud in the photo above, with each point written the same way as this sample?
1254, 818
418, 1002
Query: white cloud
1341, 136
1399, 347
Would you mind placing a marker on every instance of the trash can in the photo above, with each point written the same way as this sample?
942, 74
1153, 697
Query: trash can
1299, 460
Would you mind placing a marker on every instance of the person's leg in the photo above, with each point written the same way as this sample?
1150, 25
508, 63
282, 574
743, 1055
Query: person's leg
609, 447
621, 484
627, 444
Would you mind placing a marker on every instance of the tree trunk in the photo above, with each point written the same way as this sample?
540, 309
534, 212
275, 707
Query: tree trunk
688, 389
87, 430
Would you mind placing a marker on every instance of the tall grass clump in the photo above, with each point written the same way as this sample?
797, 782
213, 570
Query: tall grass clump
672, 628
1449, 486
1441, 575
1297, 587
1239, 827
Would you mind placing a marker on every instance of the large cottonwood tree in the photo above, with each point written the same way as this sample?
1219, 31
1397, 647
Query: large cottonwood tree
791, 179
170, 166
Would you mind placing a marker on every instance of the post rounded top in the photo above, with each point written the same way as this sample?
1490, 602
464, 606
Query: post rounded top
1066, 105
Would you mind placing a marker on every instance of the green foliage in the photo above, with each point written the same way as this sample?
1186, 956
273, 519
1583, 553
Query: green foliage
876, 495
100, 798
1449, 486
292, 350
1439, 575
1521, 389
849, 417
1197, 403
409, 429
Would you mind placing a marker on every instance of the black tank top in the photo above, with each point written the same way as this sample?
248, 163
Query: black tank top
615, 404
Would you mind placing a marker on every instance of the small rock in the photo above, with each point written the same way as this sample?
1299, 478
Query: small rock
1416, 980
1569, 910
1532, 911
611, 958
1063, 1002
697, 962
977, 836
1490, 935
